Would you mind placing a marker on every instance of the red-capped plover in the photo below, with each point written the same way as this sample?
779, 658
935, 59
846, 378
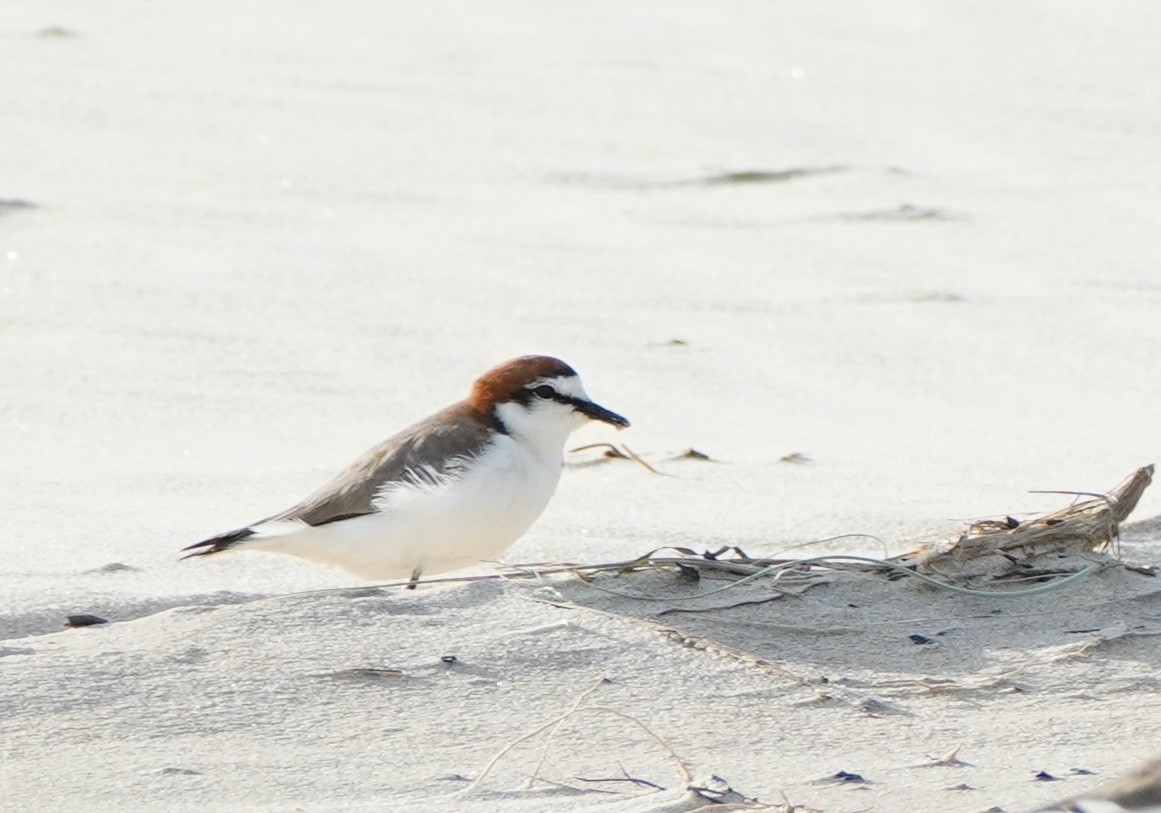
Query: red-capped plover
452, 490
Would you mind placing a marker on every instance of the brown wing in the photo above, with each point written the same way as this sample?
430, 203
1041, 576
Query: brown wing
432, 447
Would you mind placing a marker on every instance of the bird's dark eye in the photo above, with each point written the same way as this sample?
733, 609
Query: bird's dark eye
543, 391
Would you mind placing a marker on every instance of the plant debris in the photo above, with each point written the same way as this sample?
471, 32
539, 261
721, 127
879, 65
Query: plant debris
903, 213
56, 32
842, 778
717, 791
949, 760
693, 454
1071, 536
996, 549
614, 452
795, 458
641, 783
1139, 789
372, 672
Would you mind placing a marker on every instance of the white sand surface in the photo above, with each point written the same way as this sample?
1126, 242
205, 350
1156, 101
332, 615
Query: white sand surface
915, 242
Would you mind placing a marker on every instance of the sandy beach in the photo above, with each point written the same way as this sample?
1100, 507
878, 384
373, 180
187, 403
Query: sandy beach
892, 267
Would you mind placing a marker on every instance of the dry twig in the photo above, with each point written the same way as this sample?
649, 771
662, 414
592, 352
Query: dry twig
544, 754
555, 723
622, 452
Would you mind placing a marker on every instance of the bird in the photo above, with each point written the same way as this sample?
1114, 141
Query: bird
448, 492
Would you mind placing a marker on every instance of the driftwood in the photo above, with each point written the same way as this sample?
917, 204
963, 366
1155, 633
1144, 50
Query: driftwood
998, 549
1059, 547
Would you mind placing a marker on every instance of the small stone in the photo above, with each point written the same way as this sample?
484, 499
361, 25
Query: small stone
848, 777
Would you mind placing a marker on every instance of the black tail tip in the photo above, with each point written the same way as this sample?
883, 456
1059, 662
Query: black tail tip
217, 544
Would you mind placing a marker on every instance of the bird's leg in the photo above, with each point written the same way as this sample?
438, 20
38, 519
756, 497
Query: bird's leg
414, 579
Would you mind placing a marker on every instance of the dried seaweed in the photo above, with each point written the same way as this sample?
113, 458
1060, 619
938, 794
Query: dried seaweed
995, 550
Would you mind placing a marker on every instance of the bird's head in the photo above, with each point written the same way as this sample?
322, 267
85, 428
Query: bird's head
539, 399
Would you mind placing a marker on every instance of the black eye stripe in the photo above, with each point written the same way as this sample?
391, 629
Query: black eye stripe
545, 392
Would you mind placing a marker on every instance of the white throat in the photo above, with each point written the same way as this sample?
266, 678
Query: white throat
543, 424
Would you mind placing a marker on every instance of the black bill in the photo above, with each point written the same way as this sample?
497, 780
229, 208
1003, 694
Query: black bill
599, 413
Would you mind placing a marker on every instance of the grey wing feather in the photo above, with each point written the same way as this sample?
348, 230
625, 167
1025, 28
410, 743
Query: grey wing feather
436, 446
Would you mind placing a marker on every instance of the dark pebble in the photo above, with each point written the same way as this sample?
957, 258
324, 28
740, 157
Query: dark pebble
847, 776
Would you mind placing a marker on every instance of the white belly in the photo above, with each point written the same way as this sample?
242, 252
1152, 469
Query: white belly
431, 529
